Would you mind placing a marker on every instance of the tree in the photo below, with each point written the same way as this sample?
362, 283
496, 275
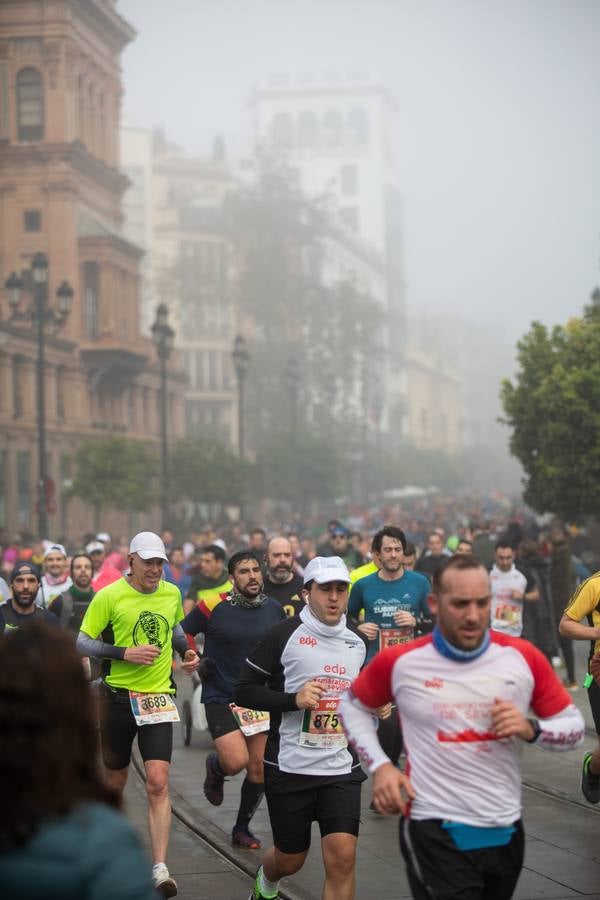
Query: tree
115, 473
554, 413
307, 468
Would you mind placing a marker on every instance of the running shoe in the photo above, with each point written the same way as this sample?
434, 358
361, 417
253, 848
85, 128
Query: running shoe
570, 685
243, 837
163, 882
256, 893
213, 783
590, 783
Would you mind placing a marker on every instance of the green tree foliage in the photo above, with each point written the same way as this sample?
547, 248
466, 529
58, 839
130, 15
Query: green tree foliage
553, 409
202, 471
115, 473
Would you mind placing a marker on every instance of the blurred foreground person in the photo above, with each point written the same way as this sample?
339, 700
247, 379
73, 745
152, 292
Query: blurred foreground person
463, 694
61, 835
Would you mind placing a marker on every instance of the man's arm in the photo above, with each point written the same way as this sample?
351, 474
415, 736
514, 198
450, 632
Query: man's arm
251, 691
577, 631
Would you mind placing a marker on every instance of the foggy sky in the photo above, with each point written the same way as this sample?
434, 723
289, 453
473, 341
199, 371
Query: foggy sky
498, 125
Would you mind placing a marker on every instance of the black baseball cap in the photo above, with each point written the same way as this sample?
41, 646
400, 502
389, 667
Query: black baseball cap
25, 568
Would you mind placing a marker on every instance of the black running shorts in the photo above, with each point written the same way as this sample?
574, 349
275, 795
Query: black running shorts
594, 698
118, 728
437, 868
296, 801
220, 720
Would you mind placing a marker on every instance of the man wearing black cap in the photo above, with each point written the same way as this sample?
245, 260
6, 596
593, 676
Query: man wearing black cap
21, 608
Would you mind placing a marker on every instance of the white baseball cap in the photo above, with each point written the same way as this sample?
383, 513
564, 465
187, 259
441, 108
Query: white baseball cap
323, 569
103, 536
95, 547
148, 545
55, 548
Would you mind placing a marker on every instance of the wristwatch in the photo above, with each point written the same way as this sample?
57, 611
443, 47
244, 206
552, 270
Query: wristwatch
537, 730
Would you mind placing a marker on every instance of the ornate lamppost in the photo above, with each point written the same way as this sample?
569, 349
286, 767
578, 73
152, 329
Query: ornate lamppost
34, 281
163, 337
241, 362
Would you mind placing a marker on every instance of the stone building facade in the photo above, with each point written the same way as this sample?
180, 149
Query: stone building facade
61, 194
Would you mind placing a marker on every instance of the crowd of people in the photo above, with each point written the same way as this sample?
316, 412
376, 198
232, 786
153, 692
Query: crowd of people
322, 655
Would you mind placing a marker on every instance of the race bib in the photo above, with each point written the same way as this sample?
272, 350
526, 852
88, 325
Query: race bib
321, 727
250, 721
149, 709
507, 614
391, 637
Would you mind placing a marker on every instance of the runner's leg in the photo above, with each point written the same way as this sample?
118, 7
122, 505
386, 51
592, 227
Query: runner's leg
159, 806
253, 786
339, 857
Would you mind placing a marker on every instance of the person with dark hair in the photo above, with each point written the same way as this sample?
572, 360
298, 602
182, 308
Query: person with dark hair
258, 540
394, 603
71, 606
21, 609
211, 581
409, 557
231, 627
464, 546
63, 838
434, 556
133, 626
510, 589
464, 694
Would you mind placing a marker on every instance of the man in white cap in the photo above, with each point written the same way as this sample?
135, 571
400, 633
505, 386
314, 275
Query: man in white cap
56, 578
310, 772
104, 572
141, 612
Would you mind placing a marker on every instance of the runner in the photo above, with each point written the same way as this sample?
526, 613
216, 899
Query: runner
231, 628
585, 604
297, 672
22, 609
281, 582
463, 693
141, 613
510, 589
212, 578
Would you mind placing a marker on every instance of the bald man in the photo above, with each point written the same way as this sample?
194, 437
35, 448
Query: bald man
280, 580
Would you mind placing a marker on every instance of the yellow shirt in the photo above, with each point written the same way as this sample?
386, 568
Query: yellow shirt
585, 602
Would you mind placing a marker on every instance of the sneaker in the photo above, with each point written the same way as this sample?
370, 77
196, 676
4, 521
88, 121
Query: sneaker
556, 662
256, 893
590, 783
213, 783
571, 685
164, 884
243, 837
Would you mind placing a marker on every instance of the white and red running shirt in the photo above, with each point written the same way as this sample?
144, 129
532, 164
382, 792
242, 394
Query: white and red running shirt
459, 769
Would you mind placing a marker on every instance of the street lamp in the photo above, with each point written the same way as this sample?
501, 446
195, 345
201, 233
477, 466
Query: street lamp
241, 361
292, 378
163, 337
35, 281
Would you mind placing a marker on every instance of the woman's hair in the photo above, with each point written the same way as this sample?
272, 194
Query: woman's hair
48, 739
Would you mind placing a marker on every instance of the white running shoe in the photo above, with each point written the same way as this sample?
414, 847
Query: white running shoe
163, 882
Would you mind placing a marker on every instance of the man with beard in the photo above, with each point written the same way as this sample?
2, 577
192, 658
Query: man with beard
231, 628
56, 578
280, 581
464, 694
71, 606
21, 609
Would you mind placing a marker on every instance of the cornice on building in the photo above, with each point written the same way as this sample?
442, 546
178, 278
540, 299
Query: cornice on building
73, 154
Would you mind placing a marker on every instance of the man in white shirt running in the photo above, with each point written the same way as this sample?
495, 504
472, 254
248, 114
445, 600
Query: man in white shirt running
510, 589
463, 693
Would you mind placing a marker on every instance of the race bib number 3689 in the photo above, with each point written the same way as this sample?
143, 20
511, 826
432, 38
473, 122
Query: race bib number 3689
149, 709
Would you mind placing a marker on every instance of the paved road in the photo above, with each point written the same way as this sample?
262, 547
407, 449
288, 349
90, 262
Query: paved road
562, 859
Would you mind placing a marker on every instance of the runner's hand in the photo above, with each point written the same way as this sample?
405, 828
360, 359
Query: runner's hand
509, 721
143, 655
384, 712
309, 695
391, 790
404, 619
369, 629
595, 667
190, 662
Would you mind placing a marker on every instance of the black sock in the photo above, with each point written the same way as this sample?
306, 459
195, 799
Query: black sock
217, 767
252, 794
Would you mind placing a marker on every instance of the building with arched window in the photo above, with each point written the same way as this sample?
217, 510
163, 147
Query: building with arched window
61, 194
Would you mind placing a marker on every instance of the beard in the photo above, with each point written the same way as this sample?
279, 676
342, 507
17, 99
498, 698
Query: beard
23, 600
281, 574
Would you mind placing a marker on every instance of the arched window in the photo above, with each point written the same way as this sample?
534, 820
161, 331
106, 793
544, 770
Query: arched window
308, 130
358, 127
30, 105
282, 130
332, 128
